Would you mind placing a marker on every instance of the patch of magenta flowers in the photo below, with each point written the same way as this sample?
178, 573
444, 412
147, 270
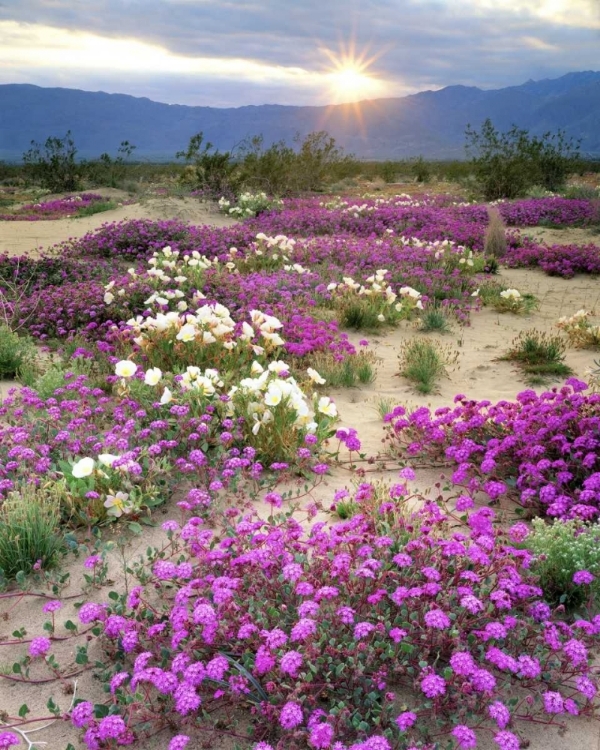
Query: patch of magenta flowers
541, 450
59, 208
357, 615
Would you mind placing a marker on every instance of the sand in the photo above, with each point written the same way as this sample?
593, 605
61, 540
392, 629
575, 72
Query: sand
475, 374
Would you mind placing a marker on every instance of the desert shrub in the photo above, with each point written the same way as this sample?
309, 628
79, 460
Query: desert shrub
507, 164
53, 165
29, 536
424, 361
15, 352
564, 552
494, 243
421, 170
95, 208
581, 192
208, 169
110, 171
539, 355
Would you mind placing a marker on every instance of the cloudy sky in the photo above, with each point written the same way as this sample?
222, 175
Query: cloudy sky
235, 52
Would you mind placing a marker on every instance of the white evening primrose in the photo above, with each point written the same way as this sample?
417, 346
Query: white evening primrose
327, 407
256, 368
83, 468
314, 376
107, 459
167, 396
187, 333
125, 368
152, 376
117, 504
108, 298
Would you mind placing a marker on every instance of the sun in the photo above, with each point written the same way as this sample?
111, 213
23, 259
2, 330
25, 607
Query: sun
350, 78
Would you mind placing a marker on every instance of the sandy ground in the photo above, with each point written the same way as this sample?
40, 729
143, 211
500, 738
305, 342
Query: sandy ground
475, 373
19, 237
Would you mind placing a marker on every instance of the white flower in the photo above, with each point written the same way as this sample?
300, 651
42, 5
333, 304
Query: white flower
273, 396
125, 368
256, 368
107, 459
152, 376
117, 504
475, 293
327, 407
314, 376
187, 332
381, 318
83, 468
166, 397
510, 294
108, 298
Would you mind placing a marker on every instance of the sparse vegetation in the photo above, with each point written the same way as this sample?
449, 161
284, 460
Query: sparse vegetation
424, 362
539, 355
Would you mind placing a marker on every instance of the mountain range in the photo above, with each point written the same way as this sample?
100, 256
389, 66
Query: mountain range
430, 123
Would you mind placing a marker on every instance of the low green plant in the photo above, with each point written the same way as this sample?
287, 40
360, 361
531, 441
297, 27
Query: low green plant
48, 382
580, 332
504, 300
561, 550
356, 369
384, 405
434, 319
95, 208
15, 352
29, 530
539, 355
581, 192
424, 361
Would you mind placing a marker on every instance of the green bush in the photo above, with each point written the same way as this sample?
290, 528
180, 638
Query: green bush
562, 549
539, 355
208, 169
53, 165
423, 362
29, 523
15, 353
507, 164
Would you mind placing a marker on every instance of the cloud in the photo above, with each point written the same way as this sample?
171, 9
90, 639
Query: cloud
248, 52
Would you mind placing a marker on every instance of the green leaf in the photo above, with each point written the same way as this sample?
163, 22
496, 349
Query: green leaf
23, 711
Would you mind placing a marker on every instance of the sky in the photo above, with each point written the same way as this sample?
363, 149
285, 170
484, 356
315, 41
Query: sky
305, 52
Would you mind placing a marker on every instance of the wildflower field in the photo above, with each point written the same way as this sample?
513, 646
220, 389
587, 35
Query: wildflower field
328, 477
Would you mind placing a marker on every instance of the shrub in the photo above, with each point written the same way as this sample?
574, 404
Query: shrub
53, 165
29, 537
539, 355
493, 294
353, 370
434, 319
562, 549
507, 164
209, 169
424, 361
15, 352
494, 243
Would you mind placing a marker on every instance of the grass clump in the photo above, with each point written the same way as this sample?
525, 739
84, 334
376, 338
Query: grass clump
561, 550
356, 369
539, 355
424, 362
29, 530
97, 207
434, 319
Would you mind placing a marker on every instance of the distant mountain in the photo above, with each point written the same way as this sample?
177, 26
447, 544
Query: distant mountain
431, 123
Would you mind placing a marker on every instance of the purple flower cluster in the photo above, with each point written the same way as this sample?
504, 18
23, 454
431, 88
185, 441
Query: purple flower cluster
58, 208
541, 450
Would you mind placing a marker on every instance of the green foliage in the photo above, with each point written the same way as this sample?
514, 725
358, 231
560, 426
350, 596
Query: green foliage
109, 171
539, 355
284, 170
29, 522
434, 319
424, 361
95, 208
504, 300
354, 370
53, 165
208, 168
15, 353
422, 170
507, 164
561, 549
